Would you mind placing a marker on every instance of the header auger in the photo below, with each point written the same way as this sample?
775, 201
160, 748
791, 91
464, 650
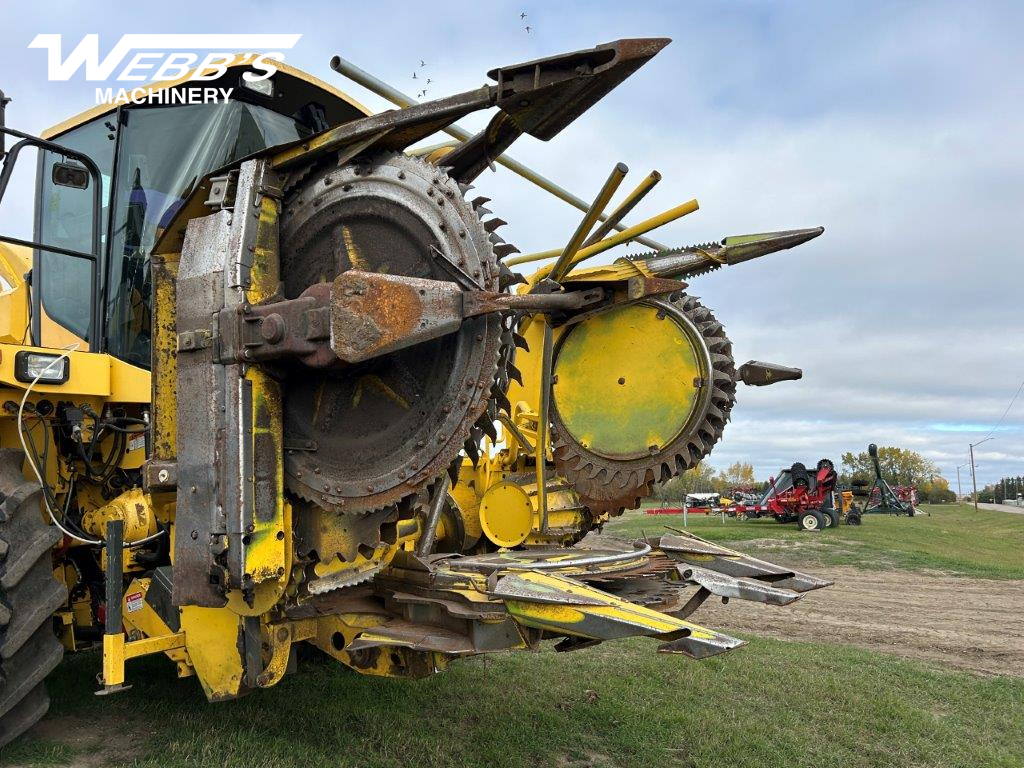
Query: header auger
297, 394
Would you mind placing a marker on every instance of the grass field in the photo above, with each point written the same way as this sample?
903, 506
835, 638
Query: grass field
954, 539
768, 704
771, 704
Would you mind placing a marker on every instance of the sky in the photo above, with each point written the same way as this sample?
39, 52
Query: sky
895, 125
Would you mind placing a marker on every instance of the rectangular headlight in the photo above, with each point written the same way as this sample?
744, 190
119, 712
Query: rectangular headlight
263, 87
49, 369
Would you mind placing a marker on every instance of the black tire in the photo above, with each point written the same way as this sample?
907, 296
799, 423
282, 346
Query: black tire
831, 518
29, 595
853, 518
811, 521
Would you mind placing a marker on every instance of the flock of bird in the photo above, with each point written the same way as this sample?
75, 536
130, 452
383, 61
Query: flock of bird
423, 92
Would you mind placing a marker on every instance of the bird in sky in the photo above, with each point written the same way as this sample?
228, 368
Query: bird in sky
413, 75
522, 15
528, 30
429, 81
423, 63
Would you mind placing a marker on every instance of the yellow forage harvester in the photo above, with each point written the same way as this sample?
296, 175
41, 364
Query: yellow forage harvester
269, 376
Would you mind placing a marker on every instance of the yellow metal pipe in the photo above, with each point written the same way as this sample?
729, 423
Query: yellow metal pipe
610, 242
624, 207
589, 220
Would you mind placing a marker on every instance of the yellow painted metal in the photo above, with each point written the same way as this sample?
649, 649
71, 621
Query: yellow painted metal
584, 611
97, 375
113, 659
609, 242
278, 640
506, 514
164, 384
134, 507
15, 261
627, 380
591, 217
213, 642
267, 555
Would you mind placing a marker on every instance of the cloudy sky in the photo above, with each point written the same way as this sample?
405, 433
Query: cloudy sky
897, 126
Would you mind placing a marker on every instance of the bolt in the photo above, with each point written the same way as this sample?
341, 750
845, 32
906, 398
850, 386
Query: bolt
163, 476
194, 535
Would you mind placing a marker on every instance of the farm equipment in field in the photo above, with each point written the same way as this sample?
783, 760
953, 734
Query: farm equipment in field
252, 393
800, 496
880, 498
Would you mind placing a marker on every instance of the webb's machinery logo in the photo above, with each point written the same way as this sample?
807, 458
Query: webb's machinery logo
171, 60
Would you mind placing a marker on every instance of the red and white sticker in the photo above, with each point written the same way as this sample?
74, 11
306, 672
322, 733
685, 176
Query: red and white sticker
134, 602
137, 442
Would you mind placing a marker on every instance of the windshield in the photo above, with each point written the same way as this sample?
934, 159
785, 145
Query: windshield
162, 153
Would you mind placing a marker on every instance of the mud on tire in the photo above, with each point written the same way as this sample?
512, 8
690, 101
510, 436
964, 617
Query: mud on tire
29, 595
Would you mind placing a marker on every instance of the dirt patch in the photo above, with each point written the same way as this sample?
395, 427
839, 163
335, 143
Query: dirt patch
970, 624
93, 747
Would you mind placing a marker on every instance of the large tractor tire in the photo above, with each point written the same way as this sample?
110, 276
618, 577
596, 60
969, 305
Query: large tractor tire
29, 595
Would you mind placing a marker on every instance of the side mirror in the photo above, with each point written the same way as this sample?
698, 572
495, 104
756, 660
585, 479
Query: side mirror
69, 175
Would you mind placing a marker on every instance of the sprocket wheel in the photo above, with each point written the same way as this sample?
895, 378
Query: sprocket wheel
610, 480
382, 430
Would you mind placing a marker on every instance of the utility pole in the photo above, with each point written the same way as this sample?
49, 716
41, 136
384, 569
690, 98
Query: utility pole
959, 491
974, 479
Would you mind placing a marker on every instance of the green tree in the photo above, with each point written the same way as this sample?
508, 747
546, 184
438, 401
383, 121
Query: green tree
900, 466
740, 474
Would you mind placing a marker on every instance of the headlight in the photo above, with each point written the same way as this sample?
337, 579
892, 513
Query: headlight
264, 87
49, 369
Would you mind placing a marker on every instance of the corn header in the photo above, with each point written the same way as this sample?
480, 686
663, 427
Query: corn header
276, 379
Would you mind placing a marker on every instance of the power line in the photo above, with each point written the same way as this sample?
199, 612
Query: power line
1012, 401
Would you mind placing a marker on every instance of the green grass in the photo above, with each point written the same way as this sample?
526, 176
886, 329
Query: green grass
769, 704
955, 539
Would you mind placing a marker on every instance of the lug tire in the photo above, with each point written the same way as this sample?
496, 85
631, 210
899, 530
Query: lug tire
29, 595
831, 518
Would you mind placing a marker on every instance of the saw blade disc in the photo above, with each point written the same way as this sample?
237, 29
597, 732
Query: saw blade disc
642, 393
368, 435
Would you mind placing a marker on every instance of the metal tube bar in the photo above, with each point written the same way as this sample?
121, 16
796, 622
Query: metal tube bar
581, 561
541, 448
617, 239
426, 542
624, 207
115, 576
589, 219
399, 99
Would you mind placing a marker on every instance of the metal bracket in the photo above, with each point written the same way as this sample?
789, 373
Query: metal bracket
222, 191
